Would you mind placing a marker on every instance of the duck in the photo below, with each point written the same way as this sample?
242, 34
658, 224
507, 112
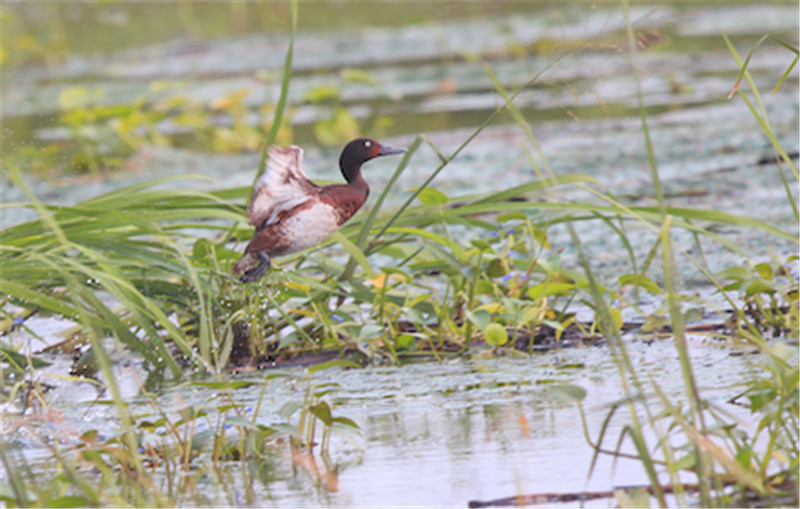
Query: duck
290, 213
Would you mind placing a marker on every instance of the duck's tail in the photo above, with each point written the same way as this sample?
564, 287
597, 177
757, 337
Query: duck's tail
246, 262
254, 265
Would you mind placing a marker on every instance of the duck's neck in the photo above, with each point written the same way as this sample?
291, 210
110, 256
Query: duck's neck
354, 179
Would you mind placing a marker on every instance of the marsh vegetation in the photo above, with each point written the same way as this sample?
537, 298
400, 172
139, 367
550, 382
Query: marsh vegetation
493, 243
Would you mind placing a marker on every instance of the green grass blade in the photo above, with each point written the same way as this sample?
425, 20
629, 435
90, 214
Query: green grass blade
785, 75
355, 253
277, 120
761, 119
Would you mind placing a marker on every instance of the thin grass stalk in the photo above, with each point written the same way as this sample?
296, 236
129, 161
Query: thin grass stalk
463, 145
624, 366
622, 237
289, 319
16, 484
69, 472
277, 120
468, 326
744, 73
45, 215
126, 419
698, 244
743, 68
773, 435
708, 448
762, 121
740, 314
676, 316
702, 468
651, 158
786, 74
207, 338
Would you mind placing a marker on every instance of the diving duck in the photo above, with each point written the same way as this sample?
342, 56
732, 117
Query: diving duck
291, 213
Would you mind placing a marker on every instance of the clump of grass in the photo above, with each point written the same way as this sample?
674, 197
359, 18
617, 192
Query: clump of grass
224, 447
758, 464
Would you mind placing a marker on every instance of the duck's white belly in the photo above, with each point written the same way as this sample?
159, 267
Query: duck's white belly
308, 227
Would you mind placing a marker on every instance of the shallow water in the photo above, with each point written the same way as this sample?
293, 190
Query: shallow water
442, 434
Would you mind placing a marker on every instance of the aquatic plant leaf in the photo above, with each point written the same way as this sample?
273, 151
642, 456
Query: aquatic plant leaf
337, 129
431, 196
346, 421
502, 218
21, 361
549, 288
480, 318
637, 497
71, 501
685, 462
332, 364
369, 331
404, 341
496, 335
568, 393
79, 97
764, 270
289, 408
759, 286
235, 420
286, 429
348, 432
693, 315
323, 412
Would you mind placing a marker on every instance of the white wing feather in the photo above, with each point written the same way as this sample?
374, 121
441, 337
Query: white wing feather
283, 186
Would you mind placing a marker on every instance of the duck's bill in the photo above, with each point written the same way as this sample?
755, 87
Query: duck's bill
387, 150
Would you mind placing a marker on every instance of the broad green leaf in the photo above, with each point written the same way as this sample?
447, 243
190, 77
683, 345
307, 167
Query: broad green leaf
431, 196
323, 412
496, 335
235, 420
480, 318
286, 429
759, 286
568, 393
764, 270
346, 421
547, 289
404, 341
21, 361
289, 408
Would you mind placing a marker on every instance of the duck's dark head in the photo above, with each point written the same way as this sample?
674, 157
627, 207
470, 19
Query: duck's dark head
359, 151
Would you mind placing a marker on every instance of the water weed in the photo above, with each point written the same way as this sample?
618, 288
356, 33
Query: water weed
145, 270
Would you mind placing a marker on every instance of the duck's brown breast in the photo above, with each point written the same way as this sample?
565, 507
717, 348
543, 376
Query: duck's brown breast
345, 200
302, 227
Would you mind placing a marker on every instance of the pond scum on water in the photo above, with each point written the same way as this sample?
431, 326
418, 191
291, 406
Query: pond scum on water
143, 272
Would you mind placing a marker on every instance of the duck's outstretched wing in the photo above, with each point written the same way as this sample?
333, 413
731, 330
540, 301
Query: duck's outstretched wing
283, 186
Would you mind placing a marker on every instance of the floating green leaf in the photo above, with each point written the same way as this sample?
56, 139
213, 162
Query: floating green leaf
496, 335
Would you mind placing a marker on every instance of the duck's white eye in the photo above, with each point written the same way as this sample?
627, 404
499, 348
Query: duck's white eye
367, 143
